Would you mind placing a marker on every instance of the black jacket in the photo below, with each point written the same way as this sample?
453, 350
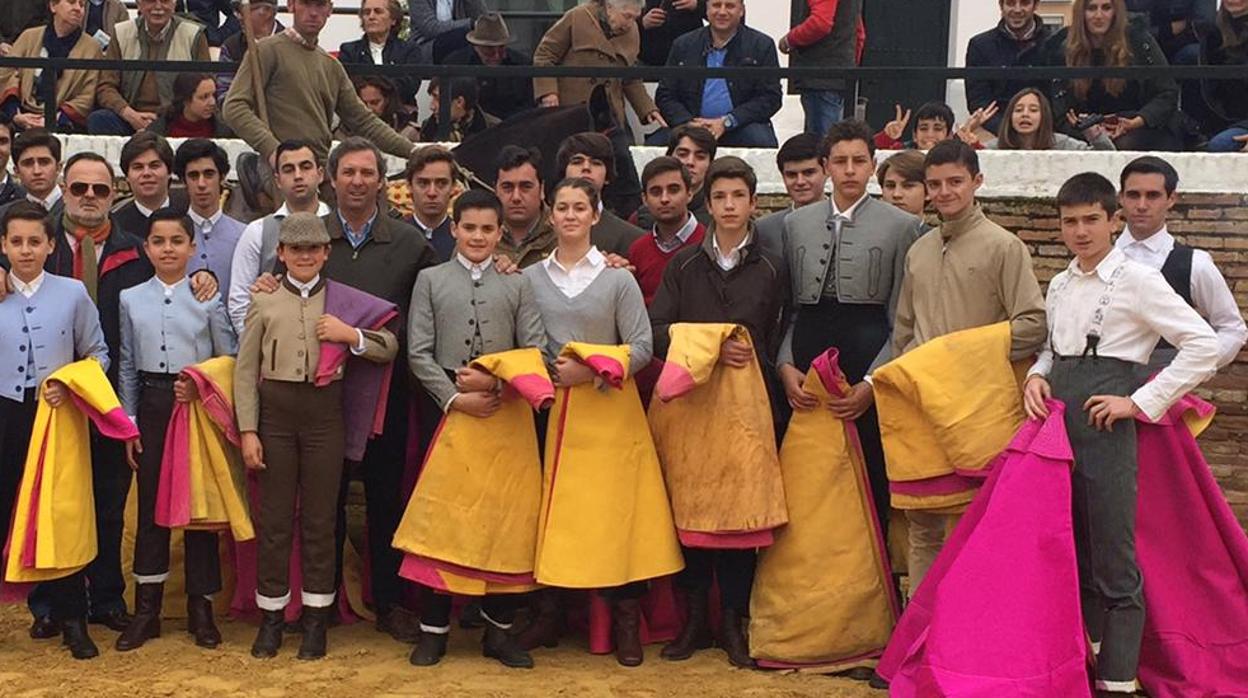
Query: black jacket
127, 217
657, 43
396, 52
754, 101
1156, 99
1227, 100
10, 191
501, 98
997, 48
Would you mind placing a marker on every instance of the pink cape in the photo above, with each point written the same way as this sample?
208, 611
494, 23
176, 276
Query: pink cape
998, 613
173, 494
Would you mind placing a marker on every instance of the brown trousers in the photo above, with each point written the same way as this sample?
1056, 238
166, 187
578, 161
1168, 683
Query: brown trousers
302, 434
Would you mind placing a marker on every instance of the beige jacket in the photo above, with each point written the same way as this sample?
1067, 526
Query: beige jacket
75, 90
579, 39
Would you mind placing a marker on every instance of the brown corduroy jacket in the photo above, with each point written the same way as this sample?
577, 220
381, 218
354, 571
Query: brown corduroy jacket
75, 89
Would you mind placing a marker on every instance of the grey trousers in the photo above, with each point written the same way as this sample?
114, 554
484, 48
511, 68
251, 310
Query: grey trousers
1104, 491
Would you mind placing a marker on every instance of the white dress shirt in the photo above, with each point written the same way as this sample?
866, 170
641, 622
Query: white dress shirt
848, 213
728, 260
376, 51
204, 225
170, 288
578, 278
682, 236
47, 204
445, 10
27, 289
1141, 309
147, 212
1210, 293
475, 270
245, 265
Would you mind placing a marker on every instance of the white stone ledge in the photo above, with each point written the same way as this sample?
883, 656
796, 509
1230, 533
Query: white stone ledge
1006, 173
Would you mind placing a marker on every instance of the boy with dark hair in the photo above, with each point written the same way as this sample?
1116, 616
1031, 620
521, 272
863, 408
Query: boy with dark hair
528, 237
37, 162
665, 188
1148, 192
61, 325
164, 329
590, 156
800, 162
1105, 315
728, 278
695, 148
933, 123
147, 164
441, 347
431, 175
466, 116
202, 165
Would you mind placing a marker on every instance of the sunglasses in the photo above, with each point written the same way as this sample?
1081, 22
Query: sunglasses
100, 191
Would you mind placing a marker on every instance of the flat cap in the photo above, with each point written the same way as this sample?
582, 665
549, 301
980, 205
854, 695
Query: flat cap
303, 230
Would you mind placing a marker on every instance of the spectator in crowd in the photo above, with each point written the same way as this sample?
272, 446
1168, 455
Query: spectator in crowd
825, 34
933, 123
901, 183
589, 156
9, 190
193, 113
439, 27
1003, 46
1029, 126
37, 161
695, 148
1174, 24
663, 21
262, 18
431, 176
304, 89
131, 100
805, 179
209, 13
528, 237
489, 39
381, 21
1227, 100
1139, 114
466, 115
16, 16
102, 17
598, 33
62, 37
202, 165
665, 187
380, 96
737, 112
147, 163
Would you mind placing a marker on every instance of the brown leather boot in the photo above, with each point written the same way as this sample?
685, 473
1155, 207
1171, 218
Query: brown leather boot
200, 623
626, 617
145, 625
546, 626
733, 641
696, 635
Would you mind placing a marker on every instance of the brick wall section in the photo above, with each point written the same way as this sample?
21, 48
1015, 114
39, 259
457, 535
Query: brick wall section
1217, 223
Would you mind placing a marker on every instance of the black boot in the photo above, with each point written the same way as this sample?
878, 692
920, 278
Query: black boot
116, 619
44, 628
400, 623
696, 635
269, 639
732, 639
199, 622
146, 622
497, 644
626, 619
315, 626
546, 625
77, 639
429, 650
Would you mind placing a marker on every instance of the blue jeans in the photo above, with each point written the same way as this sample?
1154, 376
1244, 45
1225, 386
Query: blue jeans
822, 110
1225, 141
104, 122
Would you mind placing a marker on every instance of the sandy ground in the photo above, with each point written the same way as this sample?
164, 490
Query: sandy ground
363, 662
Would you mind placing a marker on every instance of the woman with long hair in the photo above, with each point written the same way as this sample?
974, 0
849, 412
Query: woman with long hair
193, 111
1029, 125
1227, 100
1138, 114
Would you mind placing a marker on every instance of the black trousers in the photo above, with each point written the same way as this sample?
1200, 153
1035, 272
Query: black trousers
17, 421
734, 569
435, 608
151, 542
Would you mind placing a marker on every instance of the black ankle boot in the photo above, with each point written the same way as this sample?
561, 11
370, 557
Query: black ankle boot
77, 640
200, 623
696, 633
145, 625
497, 644
269, 639
315, 625
429, 650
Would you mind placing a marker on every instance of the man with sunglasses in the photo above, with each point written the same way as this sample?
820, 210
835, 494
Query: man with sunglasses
107, 259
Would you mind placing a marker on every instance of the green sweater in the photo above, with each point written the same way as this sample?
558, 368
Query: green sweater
304, 88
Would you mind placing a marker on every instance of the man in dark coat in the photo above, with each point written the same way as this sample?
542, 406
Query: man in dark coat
1003, 46
489, 41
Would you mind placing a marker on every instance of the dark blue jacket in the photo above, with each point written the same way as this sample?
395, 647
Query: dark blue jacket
396, 52
997, 48
753, 101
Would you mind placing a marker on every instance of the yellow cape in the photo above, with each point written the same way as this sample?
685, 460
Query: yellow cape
823, 591
605, 519
477, 501
53, 533
715, 437
949, 405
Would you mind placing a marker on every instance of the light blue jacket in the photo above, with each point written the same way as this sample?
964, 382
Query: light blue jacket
59, 321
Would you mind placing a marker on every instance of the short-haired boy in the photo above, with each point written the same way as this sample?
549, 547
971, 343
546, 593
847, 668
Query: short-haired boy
164, 329
1105, 316
666, 189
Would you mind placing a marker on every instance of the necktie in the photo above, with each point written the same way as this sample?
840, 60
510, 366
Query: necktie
90, 266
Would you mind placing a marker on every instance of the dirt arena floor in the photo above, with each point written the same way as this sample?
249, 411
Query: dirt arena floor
363, 662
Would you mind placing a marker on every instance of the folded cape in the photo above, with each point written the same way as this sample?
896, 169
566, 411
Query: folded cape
203, 484
947, 408
471, 524
605, 518
53, 533
716, 440
366, 385
823, 594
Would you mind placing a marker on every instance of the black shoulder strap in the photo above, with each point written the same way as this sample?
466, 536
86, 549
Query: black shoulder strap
1178, 271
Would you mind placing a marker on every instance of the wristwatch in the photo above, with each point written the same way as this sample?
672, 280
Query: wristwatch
730, 122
